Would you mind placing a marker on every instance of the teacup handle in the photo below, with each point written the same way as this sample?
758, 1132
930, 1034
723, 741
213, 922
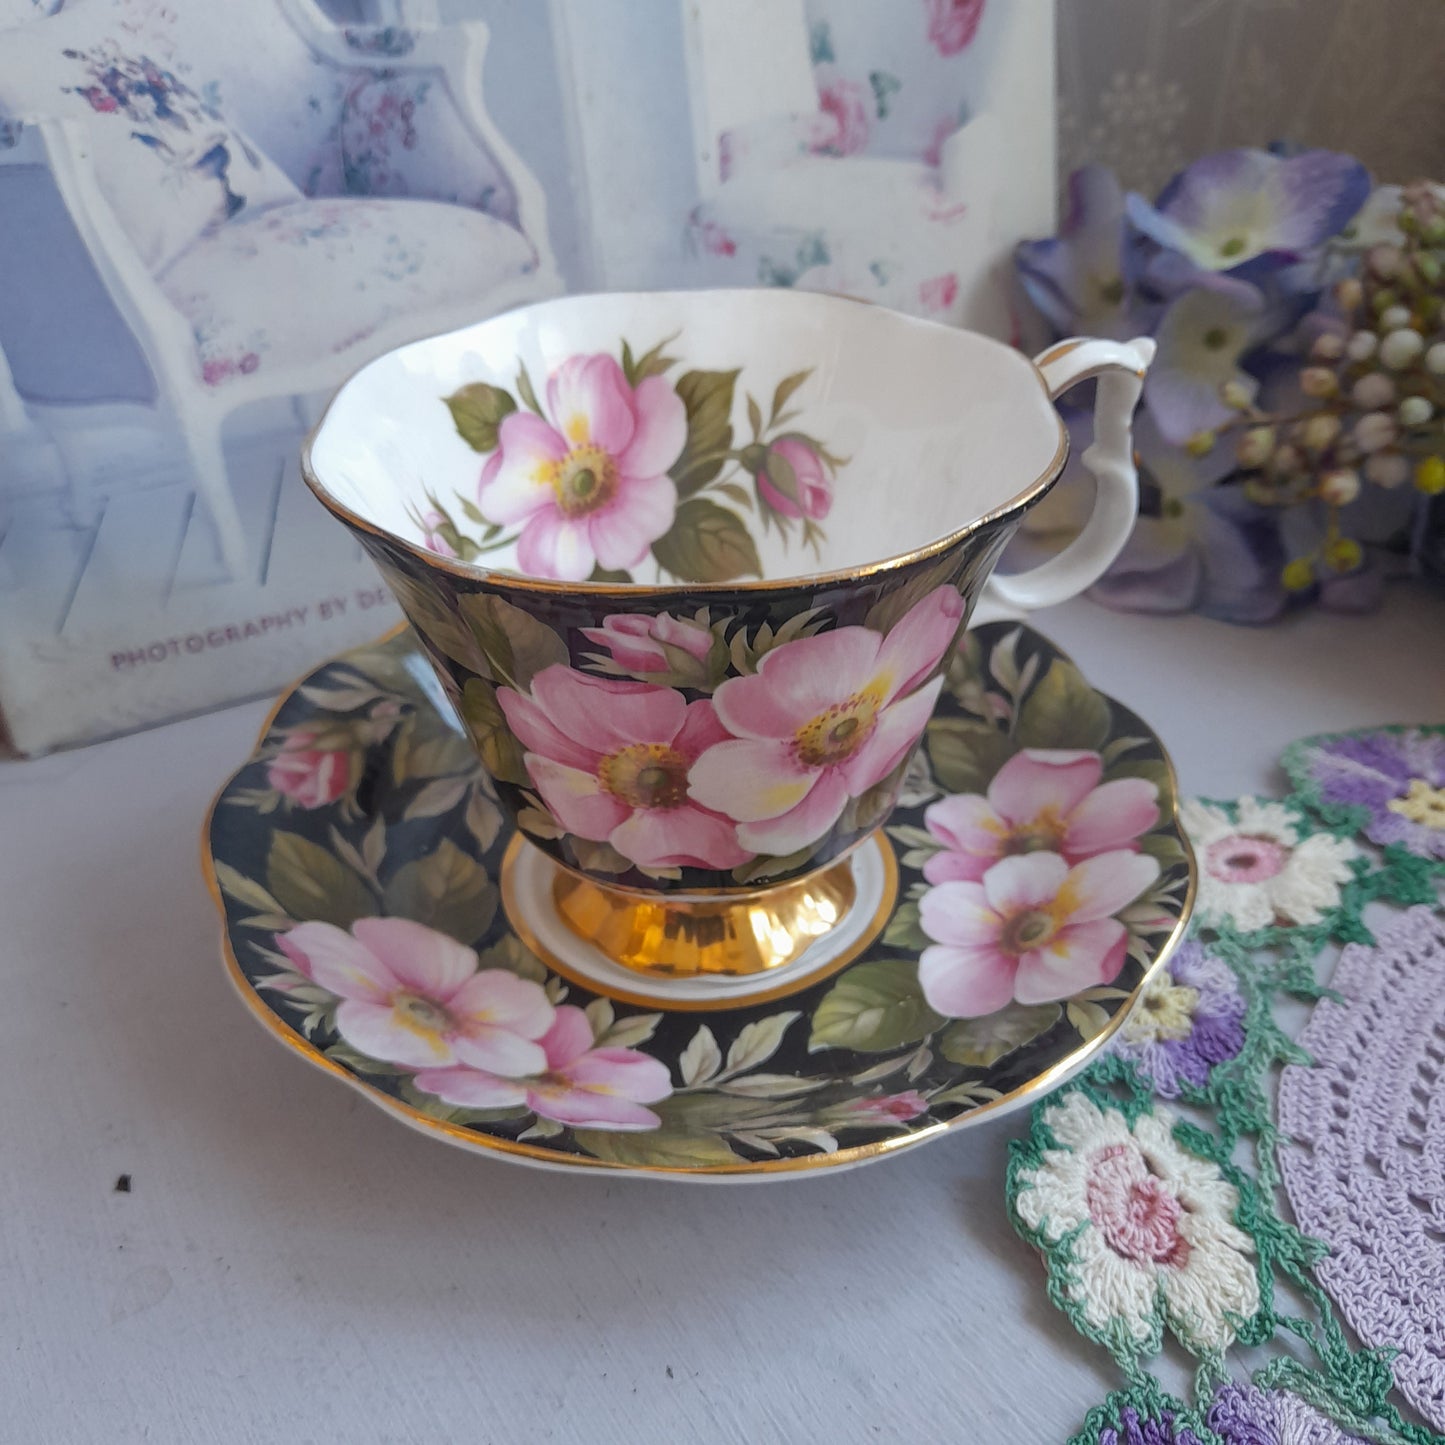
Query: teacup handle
1120, 367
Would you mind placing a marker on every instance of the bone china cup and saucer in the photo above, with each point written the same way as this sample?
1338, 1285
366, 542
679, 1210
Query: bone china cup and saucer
688, 567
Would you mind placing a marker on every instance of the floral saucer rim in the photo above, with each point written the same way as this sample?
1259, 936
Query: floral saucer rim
1025, 1093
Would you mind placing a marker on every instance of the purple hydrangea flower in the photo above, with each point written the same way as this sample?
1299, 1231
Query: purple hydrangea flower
1165, 1428
1203, 336
1247, 1415
1199, 545
1395, 776
1229, 209
1085, 281
1190, 1020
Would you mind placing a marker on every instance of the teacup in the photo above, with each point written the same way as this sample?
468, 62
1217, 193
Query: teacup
690, 566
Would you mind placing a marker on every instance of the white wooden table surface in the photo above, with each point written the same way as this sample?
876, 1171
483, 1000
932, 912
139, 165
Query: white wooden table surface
291, 1266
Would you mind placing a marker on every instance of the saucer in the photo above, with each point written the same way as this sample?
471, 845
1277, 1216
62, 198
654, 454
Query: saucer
367, 883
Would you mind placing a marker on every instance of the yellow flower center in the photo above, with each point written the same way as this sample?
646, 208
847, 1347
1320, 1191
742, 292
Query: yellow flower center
1165, 1012
1422, 804
1034, 928
835, 735
1043, 833
583, 480
645, 775
421, 1016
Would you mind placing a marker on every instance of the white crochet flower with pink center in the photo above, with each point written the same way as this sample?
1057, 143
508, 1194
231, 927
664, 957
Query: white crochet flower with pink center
1041, 800
822, 720
588, 482
588, 1088
412, 996
1257, 871
1033, 930
1150, 1230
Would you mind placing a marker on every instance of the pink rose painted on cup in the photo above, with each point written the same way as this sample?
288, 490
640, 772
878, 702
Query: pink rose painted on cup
883, 1110
432, 537
811, 482
824, 719
588, 483
1040, 801
938, 293
952, 24
412, 996
639, 642
611, 760
310, 776
1033, 930
587, 1088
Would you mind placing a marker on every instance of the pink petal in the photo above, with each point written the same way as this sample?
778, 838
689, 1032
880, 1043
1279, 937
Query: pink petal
471, 1089
685, 837
500, 999
569, 1037
622, 1071
1024, 881
589, 400
920, 639
420, 958
797, 681
959, 913
1111, 817
661, 430
1108, 882
898, 728
702, 729
576, 799
584, 1109
335, 960
966, 983
1038, 780
950, 866
608, 713
807, 823
498, 1051
557, 547
539, 733
517, 480
971, 832
1082, 956
382, 1032
622, 532
750, 779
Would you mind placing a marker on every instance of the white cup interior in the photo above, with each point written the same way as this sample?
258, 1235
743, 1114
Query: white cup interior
938, 428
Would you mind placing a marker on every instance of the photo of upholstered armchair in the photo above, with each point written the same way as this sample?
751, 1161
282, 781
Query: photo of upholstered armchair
209, 215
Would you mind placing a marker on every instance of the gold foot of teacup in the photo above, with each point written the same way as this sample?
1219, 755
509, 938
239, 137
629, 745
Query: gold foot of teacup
681, 936
701, 949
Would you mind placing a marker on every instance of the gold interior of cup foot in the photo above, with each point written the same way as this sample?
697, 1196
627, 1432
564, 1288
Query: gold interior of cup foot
730, 935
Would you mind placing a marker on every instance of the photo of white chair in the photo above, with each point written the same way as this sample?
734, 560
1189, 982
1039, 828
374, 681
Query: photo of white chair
228, 188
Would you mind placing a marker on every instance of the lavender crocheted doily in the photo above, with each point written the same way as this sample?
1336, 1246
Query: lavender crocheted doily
1366, 1172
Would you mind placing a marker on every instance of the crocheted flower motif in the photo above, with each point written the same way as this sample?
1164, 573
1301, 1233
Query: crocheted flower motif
1248, 1415
1136, 1232
1261, 867
1389, 782
1147, 1427
1190, 1019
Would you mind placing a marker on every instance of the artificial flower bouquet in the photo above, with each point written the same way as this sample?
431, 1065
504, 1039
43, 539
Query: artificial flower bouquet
1291, 439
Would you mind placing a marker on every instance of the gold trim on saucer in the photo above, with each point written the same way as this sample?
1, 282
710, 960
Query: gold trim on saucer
521, 926
1035, 1088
